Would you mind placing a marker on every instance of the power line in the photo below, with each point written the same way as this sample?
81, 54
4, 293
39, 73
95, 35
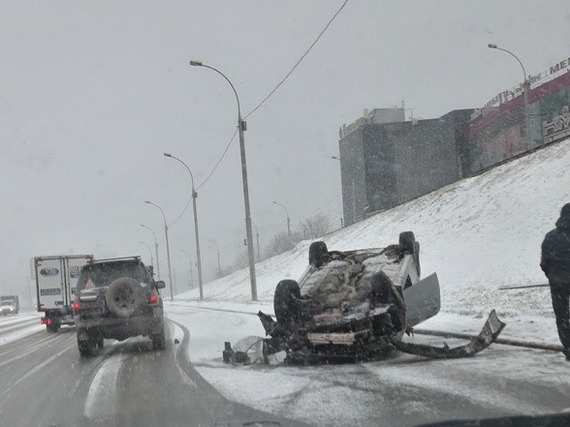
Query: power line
207, 178
219, 161
298, 62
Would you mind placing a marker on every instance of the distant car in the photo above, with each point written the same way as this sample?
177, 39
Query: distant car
9, 304
355, 305
117, 299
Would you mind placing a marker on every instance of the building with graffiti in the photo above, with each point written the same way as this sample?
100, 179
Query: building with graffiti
498, 131
387, 160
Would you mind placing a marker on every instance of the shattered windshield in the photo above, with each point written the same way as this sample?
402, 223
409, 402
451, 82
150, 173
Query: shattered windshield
296, 213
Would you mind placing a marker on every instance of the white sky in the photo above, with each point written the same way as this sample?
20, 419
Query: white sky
92, 93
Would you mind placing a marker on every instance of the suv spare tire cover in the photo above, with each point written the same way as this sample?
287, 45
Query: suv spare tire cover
124, 296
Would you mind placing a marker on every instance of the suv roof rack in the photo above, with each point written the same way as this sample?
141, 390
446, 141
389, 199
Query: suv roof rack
123, 258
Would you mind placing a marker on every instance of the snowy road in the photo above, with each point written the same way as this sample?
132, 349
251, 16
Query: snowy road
403, 390
128, 384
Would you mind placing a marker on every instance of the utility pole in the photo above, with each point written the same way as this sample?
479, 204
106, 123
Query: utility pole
242, 126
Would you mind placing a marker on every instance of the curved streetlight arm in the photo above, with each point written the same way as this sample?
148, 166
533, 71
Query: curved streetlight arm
167, 248
494, 46
152, 231
200, 64
187, 168
161, 211
279, 204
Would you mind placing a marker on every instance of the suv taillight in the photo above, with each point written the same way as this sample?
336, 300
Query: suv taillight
76, 306
152, 299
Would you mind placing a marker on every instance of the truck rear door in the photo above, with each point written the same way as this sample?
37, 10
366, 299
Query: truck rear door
49, 276
73, 268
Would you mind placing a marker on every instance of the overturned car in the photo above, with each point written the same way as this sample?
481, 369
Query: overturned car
357, 305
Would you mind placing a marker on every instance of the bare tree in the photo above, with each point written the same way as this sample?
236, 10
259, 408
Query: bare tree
315, 226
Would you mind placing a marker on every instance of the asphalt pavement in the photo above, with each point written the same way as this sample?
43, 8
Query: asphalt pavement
44, 382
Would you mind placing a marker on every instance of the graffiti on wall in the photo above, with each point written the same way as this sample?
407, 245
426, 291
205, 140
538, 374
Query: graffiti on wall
558, 127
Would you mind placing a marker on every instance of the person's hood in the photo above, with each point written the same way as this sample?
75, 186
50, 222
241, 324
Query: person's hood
564, 221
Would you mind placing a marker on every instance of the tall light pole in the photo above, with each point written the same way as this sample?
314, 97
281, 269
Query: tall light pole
150, 253
155, 248
242, 126
167, 248
526, 89
257, 238
288, 219
196, 233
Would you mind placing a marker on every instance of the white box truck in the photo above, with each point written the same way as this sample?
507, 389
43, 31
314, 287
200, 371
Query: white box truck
56, 278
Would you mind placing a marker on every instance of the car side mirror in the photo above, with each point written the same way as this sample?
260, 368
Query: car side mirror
159, 284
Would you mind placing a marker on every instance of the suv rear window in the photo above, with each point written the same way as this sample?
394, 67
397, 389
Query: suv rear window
102, 274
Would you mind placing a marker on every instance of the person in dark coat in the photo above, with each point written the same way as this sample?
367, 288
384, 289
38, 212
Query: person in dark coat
555, 262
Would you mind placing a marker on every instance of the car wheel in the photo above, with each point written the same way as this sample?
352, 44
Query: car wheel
86, 347
285, 305
409, 244
317, 251
159, 340
407, 241
124, 296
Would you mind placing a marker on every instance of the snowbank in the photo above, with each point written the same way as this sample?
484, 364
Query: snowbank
477, 234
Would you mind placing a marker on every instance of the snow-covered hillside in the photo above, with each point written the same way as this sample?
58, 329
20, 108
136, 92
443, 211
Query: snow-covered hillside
477, 234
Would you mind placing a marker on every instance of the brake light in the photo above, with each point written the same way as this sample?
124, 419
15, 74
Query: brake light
76, 306
45, 321
152, 299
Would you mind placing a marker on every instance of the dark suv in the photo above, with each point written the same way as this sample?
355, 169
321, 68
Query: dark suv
117, 298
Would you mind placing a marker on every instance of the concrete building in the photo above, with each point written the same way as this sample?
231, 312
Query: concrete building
387, 161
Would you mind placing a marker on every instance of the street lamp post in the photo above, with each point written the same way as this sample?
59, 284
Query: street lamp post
149, 252
526, 90
242, 126
196, 233
155, 248
167, 247
288, 219
257, 238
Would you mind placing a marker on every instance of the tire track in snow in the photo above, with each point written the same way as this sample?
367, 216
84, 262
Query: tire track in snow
102, 396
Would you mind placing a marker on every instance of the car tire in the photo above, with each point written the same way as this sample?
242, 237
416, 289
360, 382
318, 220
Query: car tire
317, 251
86, 347
159, 340
124, 297
285, 305
407, 241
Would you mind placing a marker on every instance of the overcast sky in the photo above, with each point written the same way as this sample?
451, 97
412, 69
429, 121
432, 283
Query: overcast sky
92, 93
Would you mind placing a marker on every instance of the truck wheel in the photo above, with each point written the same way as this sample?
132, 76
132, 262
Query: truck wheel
317, 250
53, 327
124, 296
159, 340
86, 347
285, 303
